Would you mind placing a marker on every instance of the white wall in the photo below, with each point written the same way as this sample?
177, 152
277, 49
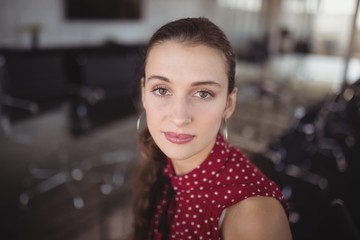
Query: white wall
16, 15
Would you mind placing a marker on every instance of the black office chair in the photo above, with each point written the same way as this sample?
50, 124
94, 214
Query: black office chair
107, 90
317, 161
104, 92
32, 82
337, 223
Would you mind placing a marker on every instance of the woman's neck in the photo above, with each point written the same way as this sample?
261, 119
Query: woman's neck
184, 166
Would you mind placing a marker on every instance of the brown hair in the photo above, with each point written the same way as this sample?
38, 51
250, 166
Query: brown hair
195, 31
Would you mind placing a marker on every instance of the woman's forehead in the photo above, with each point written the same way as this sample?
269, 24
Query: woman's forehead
176, 58
186, 44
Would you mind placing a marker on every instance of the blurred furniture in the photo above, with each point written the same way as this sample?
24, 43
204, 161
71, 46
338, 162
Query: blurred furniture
106, 87
32, 83
98, 85
90, 184
337, 223
317, 161
74, 163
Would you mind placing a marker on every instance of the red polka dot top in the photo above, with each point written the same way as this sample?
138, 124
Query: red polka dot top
191, 205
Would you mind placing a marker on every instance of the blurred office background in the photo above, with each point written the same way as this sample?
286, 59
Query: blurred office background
69, 72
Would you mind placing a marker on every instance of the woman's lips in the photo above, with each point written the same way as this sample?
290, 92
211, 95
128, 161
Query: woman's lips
178, 138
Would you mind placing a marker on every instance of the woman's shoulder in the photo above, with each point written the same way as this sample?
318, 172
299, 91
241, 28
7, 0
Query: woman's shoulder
256, 218
251, 180
258, 205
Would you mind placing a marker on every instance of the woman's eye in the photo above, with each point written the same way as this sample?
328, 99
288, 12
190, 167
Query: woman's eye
204, 94
161, 91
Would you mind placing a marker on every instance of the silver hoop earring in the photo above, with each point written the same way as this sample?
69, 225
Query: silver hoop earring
224, 129
138, 122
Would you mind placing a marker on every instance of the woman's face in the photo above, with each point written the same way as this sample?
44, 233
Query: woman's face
185, 98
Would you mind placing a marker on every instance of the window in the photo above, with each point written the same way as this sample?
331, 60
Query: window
246, 5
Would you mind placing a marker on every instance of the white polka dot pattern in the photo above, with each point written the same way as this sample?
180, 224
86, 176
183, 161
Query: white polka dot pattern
223, 179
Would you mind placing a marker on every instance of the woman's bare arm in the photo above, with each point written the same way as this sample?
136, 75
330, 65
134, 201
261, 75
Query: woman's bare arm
256, 218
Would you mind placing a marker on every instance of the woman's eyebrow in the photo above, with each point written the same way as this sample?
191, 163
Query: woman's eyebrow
194, 84
210, 82
158, 77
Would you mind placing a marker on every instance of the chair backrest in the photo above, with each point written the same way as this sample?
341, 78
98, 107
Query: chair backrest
116, 74
337, 223
34, 76
107, 83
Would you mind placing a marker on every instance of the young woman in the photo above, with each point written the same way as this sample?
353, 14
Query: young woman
193, 184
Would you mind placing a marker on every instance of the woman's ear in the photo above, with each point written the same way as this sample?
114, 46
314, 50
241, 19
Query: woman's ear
230, 104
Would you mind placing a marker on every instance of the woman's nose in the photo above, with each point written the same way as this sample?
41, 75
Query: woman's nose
180, 113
